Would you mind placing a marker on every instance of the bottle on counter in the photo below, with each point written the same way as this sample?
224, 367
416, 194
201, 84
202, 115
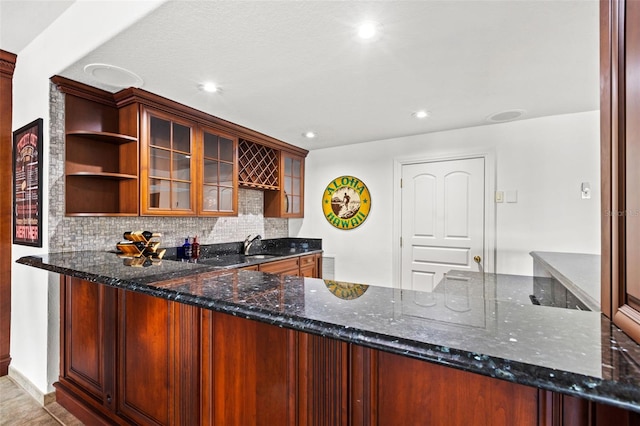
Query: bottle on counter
186, 247
195, 248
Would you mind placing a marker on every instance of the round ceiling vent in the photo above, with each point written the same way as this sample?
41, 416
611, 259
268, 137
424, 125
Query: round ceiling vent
113, 75
502, 116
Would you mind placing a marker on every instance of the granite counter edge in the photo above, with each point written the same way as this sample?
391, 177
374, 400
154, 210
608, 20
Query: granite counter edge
583, 386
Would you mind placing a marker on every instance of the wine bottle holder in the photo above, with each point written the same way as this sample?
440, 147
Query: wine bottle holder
140, 248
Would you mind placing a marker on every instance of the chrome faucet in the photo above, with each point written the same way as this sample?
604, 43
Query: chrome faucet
248, 241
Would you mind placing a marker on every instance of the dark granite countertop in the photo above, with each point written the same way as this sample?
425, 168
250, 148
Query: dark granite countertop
483, 323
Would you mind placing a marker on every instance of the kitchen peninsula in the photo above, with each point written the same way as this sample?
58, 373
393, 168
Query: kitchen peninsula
199, 344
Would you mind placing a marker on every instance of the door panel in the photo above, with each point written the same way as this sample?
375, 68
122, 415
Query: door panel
442, 220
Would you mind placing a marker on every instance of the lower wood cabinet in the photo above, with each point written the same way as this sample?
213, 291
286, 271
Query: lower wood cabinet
130, 358
309, 266
127, 358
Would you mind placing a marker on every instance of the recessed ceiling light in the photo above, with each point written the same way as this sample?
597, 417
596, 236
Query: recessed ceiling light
369, 30
209, 87
421, 114
309, 135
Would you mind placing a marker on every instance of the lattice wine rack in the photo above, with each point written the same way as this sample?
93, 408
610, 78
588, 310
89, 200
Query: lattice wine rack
258, 165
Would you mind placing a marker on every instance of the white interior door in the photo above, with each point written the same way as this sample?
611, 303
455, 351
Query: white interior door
442, 217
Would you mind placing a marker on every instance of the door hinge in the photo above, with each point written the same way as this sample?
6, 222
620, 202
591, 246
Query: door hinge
400, 241
400, 182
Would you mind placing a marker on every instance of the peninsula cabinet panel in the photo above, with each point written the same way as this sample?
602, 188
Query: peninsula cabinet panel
248, 372
127, 358
144, 393
323, 385
88, 339
402, 391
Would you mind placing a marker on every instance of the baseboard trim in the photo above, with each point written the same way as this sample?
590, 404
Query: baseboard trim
20, 380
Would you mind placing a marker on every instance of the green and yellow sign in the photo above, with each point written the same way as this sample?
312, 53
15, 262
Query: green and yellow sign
346, 202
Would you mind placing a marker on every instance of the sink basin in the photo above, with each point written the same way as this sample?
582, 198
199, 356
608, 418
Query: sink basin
259, 256
232, 260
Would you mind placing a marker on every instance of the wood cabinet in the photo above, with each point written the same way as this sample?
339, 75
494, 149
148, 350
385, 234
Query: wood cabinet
135, 153
283, 267
217, 167
620, 154
166, 165
311, 266
249, 372
288, 200
101, 153
127, 357
131, 358
303, 266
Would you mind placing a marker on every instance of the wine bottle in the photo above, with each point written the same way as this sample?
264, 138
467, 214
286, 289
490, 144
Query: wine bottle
195, 248
140, 235
148, 235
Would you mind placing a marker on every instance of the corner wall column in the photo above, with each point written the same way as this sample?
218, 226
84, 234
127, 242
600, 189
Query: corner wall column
7, 66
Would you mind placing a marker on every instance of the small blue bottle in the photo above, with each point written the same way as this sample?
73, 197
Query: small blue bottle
186, 250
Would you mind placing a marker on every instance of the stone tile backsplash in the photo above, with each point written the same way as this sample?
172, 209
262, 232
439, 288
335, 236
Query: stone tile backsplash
102, 233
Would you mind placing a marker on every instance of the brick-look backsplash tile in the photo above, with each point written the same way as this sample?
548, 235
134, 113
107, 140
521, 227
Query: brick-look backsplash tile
102, 233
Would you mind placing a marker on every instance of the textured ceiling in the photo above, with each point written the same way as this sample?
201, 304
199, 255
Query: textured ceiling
288, 67
22, 20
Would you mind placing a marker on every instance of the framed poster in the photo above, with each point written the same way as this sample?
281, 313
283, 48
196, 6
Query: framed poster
27, 185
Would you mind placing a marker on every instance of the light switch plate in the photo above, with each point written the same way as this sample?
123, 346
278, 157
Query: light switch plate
512, 196
499, 196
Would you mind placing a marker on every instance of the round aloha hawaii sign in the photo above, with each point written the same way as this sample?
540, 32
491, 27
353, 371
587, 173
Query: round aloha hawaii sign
346, 202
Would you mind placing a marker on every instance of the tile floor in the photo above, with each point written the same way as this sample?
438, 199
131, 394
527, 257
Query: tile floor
17, 407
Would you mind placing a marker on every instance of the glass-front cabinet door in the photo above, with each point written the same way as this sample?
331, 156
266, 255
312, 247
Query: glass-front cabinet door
292, 183
167, 172
218, 182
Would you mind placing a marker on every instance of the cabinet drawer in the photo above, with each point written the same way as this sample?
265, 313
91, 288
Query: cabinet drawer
281, 266
307, 260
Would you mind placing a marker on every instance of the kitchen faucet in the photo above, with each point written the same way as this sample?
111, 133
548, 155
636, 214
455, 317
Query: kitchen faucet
248, 241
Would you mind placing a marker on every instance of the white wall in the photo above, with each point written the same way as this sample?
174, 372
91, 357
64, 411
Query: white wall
544, 159
34, 319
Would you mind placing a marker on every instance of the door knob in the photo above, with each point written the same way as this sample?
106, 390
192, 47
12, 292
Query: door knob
477, 259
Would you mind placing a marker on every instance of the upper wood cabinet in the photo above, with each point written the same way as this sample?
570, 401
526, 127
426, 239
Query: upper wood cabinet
288, 200
620, 155
166, 165
217, 166
136, 153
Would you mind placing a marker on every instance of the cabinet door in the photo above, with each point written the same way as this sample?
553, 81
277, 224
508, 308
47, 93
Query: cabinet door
308, 266
620, 107
288, 201
249, 372
157, 360
166, 165
293, 183
88, 331
218, 174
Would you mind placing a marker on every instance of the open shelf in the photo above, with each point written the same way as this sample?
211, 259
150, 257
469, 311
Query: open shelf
109, 137
104, 175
